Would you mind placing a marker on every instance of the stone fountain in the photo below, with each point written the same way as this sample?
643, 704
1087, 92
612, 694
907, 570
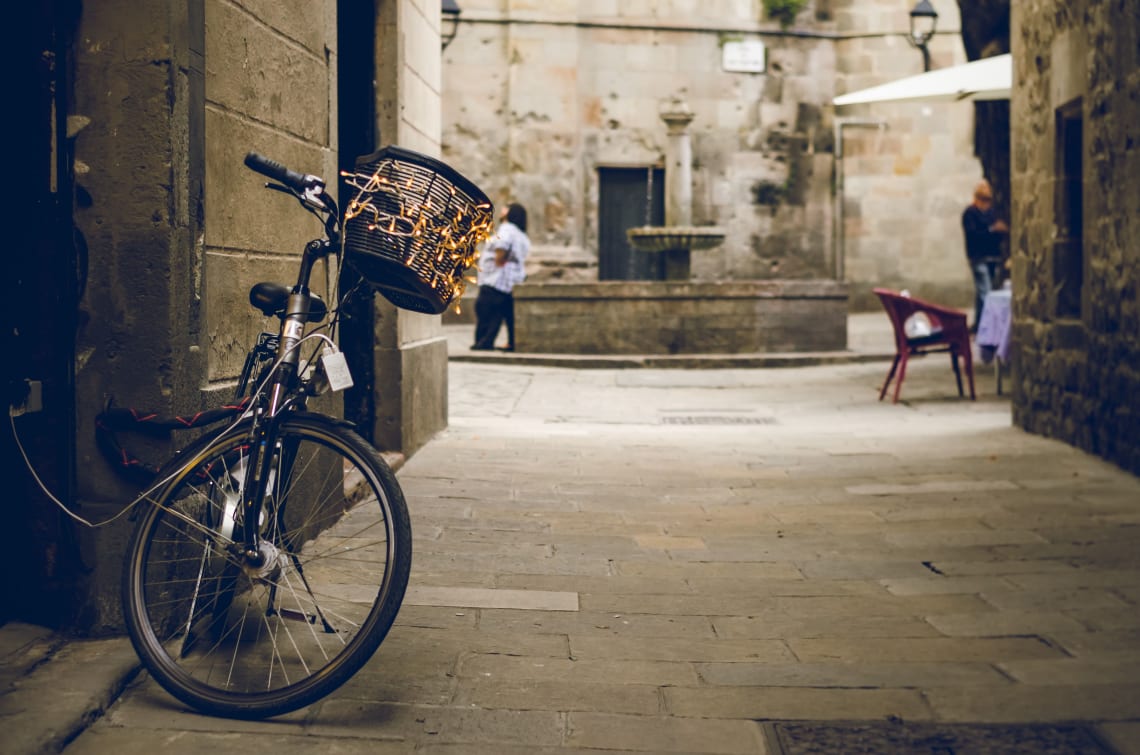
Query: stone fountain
678, 238
678, 316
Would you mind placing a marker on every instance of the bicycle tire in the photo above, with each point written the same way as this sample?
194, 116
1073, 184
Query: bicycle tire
238, 642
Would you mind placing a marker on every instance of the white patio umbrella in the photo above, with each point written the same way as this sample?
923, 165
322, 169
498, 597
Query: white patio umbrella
985, 79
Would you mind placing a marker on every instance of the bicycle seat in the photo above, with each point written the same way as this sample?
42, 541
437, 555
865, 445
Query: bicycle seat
271, 299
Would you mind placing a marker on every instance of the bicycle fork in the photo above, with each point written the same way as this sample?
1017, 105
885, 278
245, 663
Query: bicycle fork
268, 548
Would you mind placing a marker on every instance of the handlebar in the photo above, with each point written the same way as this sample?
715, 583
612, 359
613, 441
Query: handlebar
278, 172
309, 189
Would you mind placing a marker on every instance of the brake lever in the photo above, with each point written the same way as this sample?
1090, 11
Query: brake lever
313, 198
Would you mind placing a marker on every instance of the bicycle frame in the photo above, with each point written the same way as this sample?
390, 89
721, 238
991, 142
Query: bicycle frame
284, 385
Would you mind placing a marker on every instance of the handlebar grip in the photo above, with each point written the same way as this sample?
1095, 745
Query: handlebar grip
278, 172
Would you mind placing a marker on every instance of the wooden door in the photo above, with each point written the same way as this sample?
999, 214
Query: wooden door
627, 200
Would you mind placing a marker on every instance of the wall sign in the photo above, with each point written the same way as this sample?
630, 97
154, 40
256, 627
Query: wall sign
743, 57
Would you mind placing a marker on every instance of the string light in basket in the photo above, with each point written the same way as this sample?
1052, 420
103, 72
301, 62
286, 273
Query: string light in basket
408, 210
458, 231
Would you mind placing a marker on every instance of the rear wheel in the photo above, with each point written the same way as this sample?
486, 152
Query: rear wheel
246, 638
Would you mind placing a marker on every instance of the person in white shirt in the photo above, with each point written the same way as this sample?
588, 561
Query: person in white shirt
502, 266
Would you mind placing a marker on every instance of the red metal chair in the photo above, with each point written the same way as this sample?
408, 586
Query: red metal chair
947, 332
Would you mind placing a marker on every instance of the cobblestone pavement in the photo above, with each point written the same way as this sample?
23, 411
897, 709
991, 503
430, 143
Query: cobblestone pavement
720, 561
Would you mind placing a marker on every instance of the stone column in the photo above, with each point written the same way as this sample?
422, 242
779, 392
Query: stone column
409, 350
139, 78
678, 183
678, 163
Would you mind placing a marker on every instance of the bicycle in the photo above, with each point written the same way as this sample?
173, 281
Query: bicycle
275, 554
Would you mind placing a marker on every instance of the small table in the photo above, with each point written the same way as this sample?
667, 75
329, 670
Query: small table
992, 338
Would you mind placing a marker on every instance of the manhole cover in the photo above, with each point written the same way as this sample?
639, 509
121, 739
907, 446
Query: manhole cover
705, 419
936, 739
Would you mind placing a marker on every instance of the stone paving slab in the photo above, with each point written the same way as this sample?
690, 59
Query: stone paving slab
625, 648
778, 626
22, 648
574, 670
1111, 668
474, 597
1124, 738
56, 686
660, 734
796, 703
934, 739
147, 707
923, 650
123, 741
1020, 703
902, 674
763, 605
448, 725
622, 696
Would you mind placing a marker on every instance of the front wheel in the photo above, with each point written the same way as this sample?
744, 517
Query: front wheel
252, 638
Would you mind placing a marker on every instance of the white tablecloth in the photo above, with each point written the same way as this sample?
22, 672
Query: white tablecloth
992, 338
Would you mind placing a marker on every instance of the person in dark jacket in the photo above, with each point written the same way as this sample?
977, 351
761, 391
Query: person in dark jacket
984, 232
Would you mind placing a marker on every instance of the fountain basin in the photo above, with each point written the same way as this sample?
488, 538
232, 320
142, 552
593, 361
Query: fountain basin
675, 244
681, 317
663, 238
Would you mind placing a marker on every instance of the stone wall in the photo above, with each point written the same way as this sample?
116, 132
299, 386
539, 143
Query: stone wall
539, 95
905, 186
142, 325
269, 89
178, 228
174, 95
272, 87
1077, 362
638, 317
410, 358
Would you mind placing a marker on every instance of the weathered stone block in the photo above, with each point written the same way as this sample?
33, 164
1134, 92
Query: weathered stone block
252, 72
682, 318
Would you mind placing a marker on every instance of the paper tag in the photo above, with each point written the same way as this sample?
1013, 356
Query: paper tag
294, 329
336, 370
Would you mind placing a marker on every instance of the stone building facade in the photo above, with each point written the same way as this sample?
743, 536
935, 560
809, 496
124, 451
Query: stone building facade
157, 103
556, 104
1075, 170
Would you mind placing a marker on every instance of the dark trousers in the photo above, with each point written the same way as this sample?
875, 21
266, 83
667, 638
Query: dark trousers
492, 309
983, 271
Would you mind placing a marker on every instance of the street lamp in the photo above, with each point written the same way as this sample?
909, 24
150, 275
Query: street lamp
923, 19
449, 24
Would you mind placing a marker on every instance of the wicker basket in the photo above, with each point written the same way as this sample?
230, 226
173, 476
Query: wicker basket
414, 227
